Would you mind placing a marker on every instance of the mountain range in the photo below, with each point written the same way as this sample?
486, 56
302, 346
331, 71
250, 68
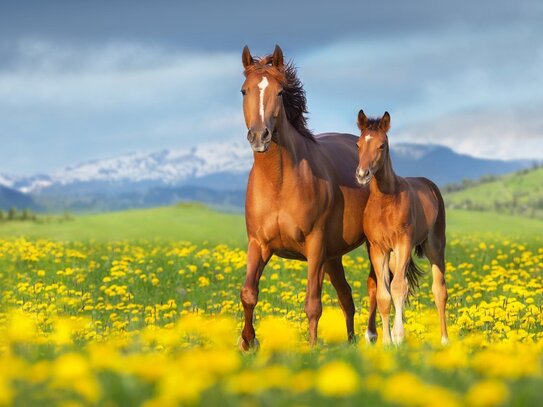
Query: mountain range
213, 173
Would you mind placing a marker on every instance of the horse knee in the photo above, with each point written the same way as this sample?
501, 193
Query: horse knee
249, 297
383, 302
440, 290
399, 288
313, 308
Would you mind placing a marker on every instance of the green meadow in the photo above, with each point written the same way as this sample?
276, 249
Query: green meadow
197, 223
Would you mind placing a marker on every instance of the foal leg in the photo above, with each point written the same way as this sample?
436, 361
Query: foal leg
379, 261
315, 277
399, 289
434, 249
336, 272
256, 260
371, 331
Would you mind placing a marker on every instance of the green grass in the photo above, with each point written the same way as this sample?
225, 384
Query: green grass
199, 224
194, 223
520, 193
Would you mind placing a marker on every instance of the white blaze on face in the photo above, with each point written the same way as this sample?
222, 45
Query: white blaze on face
262, 86
368, 138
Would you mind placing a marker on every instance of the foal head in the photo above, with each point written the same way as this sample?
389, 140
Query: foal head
372, 146
262, 96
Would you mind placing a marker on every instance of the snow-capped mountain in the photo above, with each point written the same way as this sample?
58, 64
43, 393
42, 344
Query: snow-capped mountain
215, 173
168, 167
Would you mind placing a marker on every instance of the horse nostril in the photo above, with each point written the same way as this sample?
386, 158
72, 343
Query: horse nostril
266, 136
251, 136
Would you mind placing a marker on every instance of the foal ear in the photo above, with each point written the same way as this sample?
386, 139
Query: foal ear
246, 57
362, 120
384, 123
277, 58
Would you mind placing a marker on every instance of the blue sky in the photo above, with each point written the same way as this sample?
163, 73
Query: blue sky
86, 80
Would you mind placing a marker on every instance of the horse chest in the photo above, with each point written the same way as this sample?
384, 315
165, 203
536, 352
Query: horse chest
284, 229
386, 222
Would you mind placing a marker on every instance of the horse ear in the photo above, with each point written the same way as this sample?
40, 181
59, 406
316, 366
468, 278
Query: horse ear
362, 120
384, 123
246, 57
277, 58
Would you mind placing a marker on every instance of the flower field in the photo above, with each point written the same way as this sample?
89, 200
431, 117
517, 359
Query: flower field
156, 324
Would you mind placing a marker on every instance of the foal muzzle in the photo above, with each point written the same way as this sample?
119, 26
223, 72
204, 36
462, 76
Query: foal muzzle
363, 177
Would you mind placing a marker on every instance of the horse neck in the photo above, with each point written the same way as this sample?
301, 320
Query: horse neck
385, 179
285, 152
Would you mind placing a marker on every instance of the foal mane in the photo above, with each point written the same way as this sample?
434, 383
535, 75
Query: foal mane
294, 99
373, 123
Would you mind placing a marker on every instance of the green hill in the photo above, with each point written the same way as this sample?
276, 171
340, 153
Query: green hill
197, 223
520, 193
192, 222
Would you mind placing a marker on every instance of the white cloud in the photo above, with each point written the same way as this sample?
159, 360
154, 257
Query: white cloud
98, 101
496, 134
468, 90
83, 102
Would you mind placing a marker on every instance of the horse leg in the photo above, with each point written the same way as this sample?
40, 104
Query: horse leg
379, 261
256, 260
371, 331
336, 272
399, 289
315, 277
434, 249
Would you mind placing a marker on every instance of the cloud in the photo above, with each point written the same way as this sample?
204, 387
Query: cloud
498, 134
485, 80
65, 102
84, 102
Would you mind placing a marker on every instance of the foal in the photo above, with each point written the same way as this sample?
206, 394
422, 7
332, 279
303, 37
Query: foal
401, 214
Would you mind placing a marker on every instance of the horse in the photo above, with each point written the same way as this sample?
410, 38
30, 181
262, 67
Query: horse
401, 214
302, 199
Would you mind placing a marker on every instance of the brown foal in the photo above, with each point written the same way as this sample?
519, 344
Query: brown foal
401, 214
302, 198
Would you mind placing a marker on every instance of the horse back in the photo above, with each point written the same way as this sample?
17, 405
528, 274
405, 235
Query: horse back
341, 152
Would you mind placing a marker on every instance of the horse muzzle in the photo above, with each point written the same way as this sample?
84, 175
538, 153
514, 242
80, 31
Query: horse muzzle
260, 140
363, 177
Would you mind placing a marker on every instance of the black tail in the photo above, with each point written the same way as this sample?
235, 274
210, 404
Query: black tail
414, 272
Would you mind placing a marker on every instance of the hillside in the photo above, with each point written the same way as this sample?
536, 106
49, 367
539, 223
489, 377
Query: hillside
10, 198
520, 193
193, 222
197, 223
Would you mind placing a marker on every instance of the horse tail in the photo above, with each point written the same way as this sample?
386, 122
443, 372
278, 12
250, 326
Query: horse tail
414, 273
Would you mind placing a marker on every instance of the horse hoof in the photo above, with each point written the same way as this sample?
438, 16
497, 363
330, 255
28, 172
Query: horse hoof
250, 347
444, 341
397, 340
371, 337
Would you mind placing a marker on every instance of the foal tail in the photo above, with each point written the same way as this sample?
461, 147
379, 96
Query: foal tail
414, 272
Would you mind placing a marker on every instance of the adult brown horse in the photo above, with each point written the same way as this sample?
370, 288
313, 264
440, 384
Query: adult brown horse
302, 199
401, 214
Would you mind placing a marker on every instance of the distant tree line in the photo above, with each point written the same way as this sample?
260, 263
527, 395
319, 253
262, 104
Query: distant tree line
27, 215
468, 183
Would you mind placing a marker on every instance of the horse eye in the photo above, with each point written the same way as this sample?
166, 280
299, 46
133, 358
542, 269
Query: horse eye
243, 92
382, 146
280, 93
